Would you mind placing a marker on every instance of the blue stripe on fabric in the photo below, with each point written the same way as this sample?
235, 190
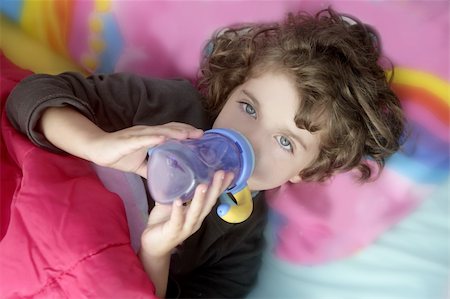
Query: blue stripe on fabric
113, 45
12, 9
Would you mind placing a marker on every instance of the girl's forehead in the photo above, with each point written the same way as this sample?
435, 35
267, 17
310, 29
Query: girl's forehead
272, 87
281, 101
275, 97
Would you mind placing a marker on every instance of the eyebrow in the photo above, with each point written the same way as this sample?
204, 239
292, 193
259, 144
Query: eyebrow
252, 97
289, 132
298, 139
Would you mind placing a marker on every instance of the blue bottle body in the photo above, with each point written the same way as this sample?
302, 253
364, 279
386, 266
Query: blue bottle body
176, 167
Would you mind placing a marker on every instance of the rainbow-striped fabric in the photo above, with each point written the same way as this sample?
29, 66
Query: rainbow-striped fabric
339, 226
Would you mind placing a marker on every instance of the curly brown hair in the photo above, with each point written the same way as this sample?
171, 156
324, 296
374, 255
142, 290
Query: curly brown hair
336, 66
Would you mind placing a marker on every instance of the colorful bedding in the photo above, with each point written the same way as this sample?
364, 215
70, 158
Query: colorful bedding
323, 238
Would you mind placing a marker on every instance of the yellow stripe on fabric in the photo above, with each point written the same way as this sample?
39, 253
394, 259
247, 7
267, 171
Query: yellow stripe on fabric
31, 21
437, 86
102, 6
47, 20
16, 44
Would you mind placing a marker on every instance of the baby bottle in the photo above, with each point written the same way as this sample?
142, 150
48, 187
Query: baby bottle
176, 167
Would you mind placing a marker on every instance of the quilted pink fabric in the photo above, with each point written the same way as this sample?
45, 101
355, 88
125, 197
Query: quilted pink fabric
63, 234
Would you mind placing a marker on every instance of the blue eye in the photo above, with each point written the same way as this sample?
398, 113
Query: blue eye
248, 109
285, 143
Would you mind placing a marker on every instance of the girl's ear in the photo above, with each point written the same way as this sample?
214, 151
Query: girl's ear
295, 179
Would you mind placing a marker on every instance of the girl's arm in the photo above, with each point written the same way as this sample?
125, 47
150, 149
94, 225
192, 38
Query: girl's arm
112, 102
110, 120
168, 226
126, 149
69, 130
157, 269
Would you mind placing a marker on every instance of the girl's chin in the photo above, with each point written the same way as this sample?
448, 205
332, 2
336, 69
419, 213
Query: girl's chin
257, 185
254, 185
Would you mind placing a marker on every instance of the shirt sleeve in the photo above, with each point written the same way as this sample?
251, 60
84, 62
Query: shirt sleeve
220, 263
112, 101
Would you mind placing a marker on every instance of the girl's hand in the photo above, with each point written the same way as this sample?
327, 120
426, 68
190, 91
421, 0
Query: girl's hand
126, 149
169, 225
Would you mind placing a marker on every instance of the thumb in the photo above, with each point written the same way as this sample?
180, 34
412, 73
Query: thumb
142, 169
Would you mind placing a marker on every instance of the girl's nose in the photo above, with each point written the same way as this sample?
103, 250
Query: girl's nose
255, 140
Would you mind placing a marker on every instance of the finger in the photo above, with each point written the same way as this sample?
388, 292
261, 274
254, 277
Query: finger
182, 125
176, 220
195, 208
163, 130
137, 142
142, 169
182, 130
163, 214
214, 191
197, 133
181, 133
173, 130
229, 176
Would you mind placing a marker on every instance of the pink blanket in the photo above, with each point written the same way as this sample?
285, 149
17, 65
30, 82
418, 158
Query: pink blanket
62, 240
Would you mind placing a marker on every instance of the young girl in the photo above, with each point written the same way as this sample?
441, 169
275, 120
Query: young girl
308, 94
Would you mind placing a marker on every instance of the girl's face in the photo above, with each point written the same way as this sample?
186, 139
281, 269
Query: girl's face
263, 109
